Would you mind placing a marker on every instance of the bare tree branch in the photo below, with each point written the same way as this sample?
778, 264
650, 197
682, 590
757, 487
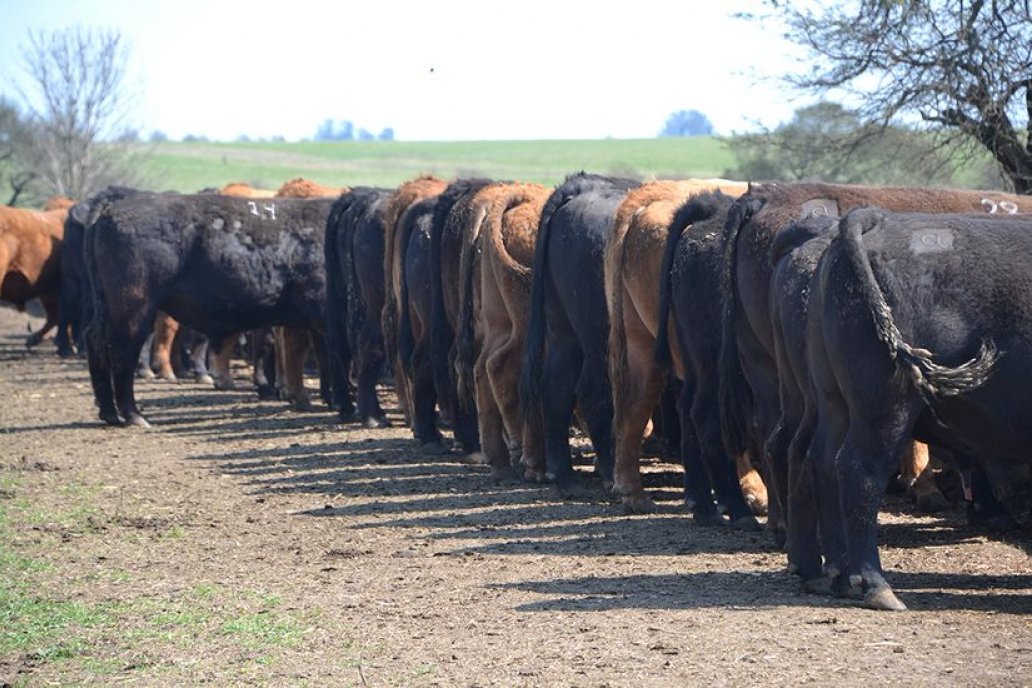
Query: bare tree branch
931, 62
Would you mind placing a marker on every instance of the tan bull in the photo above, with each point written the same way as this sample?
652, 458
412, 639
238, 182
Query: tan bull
30, 254
633, 258
510, 214
403, 198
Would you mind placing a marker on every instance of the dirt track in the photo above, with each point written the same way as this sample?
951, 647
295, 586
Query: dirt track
237, 542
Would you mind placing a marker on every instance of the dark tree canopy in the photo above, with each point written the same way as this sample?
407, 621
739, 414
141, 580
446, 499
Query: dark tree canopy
687, 123
960, 67
828, 142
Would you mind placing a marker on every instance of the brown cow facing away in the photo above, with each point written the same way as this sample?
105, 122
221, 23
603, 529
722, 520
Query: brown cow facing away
507, 237
30, 255
403, 198
633, 258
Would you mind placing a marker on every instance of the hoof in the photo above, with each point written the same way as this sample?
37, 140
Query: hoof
374, 422
110, 417
433, 448
757, 505
32, 340
534, 475
265, 392
932, 503
205, 379
638, 504
821, 585
168, 376
225, 384
572, 490
65, 352
884, 599
476, 458
746, 524
145, 374
302, 406
710, 519
137, 421
503, 475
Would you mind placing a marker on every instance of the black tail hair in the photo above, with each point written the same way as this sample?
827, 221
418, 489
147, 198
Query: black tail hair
930, 378
734, 396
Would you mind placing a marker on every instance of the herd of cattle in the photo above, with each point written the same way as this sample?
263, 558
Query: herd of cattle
826, 334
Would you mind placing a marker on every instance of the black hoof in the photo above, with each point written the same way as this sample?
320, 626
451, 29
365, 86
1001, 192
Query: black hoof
710, 519
111, 418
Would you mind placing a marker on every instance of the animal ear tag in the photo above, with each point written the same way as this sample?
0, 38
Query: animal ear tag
819, 207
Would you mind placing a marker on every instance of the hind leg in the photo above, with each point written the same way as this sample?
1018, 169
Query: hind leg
595, 400
128, 335
489, 418
100, 378
424, 397
50, 307
558, 398
165, 329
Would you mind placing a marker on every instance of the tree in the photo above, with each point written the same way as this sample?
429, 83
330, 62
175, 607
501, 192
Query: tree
687, 123
78, 104
960, 68
828, 142
16, 137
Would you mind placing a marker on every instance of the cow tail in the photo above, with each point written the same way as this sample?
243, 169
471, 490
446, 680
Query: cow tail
930, 378
532, 373
465, 346
406, 340
337, 343
675, 229
441, 336
613, 260
734, 395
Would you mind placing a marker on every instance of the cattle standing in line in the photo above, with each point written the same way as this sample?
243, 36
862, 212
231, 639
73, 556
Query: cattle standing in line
494, 312
689, 302
633, 272
749, 403
76, 303
403, 198
414, 306
30, 260
218, 264
354, 301
564, 360
919, 326
455, 217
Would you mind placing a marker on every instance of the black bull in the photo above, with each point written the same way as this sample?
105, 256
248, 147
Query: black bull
918, 325
218, 264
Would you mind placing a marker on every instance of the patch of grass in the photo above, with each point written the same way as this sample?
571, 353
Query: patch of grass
42, 626
263, 630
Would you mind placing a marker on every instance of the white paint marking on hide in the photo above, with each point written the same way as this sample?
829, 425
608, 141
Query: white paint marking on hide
1008, 207
989, 205
266, 212
931, 240
819, 207
237, 224
218, 223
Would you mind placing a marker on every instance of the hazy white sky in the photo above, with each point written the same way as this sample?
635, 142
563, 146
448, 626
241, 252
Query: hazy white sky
432, 70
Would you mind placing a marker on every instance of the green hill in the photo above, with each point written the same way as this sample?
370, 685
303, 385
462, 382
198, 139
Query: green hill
190, 166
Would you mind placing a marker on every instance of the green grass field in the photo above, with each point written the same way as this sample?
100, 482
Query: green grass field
193, 166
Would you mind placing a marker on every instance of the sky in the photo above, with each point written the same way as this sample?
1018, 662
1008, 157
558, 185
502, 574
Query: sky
432, 70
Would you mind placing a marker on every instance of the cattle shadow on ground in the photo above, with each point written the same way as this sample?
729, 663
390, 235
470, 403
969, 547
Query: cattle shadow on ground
735, 590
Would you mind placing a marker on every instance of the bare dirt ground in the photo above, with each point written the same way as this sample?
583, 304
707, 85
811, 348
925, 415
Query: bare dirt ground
239, 543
